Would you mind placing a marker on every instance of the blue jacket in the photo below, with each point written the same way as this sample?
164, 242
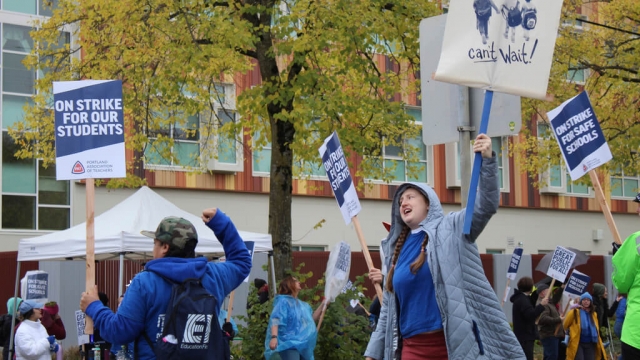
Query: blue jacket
144, 305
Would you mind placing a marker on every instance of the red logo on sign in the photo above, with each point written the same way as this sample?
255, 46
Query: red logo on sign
584, 167
78, 168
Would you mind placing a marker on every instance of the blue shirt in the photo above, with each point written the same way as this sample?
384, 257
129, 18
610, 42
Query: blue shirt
416, 294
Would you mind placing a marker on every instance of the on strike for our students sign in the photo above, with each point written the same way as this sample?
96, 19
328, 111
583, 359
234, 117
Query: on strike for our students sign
89, 129
561, 263
579, 135
337, 170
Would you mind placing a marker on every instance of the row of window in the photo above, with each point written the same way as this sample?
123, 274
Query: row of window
32, 199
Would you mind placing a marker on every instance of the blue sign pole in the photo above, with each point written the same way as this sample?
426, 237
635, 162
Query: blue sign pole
477, 163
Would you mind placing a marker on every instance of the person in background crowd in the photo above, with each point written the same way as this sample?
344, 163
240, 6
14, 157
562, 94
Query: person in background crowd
437, 300
626, 278
5, 329
549, 325
291, 332
52, 322
620, 314
601, 306
32, 340
374, 313
524, 315
584, 337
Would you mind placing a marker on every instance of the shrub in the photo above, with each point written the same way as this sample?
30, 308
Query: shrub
343, 335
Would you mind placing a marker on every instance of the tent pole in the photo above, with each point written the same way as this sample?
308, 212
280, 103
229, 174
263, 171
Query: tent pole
121, 274
15, 307
273, 273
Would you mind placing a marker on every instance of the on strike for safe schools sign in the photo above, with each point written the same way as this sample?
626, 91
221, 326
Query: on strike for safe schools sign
89, 129
337, 170
561, 263
579, 135
577, 283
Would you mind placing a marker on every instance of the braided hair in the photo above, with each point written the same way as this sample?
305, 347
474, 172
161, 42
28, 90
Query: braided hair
417, 263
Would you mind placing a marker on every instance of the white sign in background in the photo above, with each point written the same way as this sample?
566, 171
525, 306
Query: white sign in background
80, 321
504, 46
561, 263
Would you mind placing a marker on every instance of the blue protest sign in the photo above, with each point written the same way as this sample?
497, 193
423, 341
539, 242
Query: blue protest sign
579, 135
577, 283
514, 264
251, 245
89, 129
37, 286
337, 170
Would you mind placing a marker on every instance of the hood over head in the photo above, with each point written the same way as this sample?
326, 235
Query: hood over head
434, 215
178, 269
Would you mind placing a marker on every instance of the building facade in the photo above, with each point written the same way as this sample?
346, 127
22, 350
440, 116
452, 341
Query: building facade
538, 219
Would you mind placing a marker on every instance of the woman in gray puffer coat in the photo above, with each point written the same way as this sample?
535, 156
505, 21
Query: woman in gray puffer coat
446, 309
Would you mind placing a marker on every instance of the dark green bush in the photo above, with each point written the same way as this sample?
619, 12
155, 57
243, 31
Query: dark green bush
342, 335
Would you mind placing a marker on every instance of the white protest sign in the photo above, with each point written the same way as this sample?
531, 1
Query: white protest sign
337, 170
561, 263
337, 273
80, 321
502, 46
89, 129
579, 135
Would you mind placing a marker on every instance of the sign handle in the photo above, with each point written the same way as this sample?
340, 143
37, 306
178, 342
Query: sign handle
567, 307
324, 309
477, 163
230, 306
365, 251
90, 279
506, 288
553, 281
604, 206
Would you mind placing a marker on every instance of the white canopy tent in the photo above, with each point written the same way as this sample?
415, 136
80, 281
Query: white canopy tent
117, 231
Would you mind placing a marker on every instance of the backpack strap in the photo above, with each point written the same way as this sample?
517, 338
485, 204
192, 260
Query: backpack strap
136, 353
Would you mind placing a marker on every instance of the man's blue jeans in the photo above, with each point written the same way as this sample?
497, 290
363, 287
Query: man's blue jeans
550, 348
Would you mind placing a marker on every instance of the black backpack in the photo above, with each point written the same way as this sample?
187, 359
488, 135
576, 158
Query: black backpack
191, 329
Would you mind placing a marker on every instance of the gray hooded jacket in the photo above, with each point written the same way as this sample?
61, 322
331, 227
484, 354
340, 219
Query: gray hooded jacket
474, 324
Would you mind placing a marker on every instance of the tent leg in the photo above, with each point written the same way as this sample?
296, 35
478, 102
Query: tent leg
121, 274
273, 273
15, 307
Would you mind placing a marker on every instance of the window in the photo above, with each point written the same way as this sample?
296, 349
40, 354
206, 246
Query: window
182, 141
262, 158
185, 150
393, 156
499, 144
373, 248
624, 185
494, 251
262, 161
576, 74
308, 248
32, 198
573, 188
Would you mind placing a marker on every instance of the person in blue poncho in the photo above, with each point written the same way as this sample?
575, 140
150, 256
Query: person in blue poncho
291, 333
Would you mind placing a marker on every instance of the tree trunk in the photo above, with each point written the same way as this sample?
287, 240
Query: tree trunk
280, 195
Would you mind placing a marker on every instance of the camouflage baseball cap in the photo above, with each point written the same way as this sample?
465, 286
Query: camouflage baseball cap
173, 230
